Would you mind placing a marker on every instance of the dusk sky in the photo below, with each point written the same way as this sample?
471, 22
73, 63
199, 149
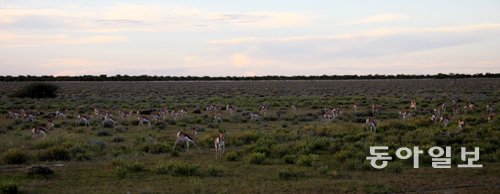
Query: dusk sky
246, 38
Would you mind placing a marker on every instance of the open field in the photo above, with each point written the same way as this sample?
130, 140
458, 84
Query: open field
285, 151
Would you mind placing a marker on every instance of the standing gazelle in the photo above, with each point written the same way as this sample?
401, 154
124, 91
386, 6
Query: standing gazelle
219, 144
184, 137
372, 124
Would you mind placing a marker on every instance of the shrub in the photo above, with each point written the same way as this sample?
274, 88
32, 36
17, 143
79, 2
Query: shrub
176, 168
256, 158
307, 160
156, 148
289, 173
53, 153
290, 159
135, 166
120, 171
118, 139
15, 156
104, 132
37, 90
215, 170
43, 171
8, 187
231, 156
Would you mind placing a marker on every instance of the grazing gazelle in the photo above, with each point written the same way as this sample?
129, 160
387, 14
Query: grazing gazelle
29, 117
40, 132
184, 137
219, 144
254, 116
107, 119
14, 115
144, 120
217, 119
82, 119
60, 115
372, 124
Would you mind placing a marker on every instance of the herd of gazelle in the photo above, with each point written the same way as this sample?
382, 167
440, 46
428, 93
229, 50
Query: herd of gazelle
329, 114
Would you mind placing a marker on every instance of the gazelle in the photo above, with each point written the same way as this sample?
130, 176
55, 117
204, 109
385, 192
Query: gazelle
219, 144
372, 124
405, 114
444, 121
230, 109
413, 105
184, 137
14, 115
40, 132
156, 117
461, 124
254, 116
144, 120
217, 119
490, 117
60, 115
29, 117
489, 108
82, 119
263, 109
375, 109
108, 119
433, 118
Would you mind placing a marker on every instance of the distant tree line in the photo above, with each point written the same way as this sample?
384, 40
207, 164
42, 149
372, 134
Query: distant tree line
239, 78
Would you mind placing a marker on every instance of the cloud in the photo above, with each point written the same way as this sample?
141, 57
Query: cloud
143, 18
378, 19
371, 51
18, 40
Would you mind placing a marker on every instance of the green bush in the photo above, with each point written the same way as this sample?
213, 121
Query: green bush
176, 168
40, 171
256, 158
156, 148
54, 153
15, 156
37, 90
8, 187
231, 156
290, 159
215, 170
290, 173
307, 160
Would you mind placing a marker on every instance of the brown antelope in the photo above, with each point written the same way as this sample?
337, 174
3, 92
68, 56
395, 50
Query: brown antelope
219, 144
144, 120
82, 119
217, 119
444, 121
40, 132
184, 137
413, 105
372, 124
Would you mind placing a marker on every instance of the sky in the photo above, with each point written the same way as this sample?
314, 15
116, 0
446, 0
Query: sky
248, 38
